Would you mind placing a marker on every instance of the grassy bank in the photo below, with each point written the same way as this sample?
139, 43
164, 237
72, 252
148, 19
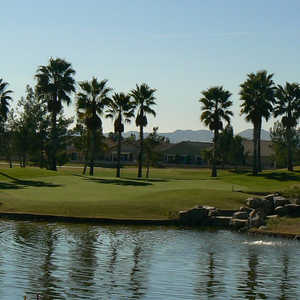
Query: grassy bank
68, 193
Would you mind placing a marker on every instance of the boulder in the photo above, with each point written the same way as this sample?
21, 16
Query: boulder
254, 202
293, 210
270, 197
194, 216
220, 221
267, 205
246, 209
281, 211
242, 215
238, 223
280, 201
257, 218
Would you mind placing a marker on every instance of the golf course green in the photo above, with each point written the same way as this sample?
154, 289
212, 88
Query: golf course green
67, 193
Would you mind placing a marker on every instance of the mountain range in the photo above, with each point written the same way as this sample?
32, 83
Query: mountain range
198, 135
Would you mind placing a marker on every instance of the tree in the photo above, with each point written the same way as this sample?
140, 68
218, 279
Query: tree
144, 99
215, 108
55, 83
280, 138
152, 155
121, 110
257, 94
91, 103
230, 149
4, 100
288, 106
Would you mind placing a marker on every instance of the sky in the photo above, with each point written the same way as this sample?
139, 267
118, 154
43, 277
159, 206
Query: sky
178, 47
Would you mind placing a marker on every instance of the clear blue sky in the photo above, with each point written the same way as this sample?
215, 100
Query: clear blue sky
178, 47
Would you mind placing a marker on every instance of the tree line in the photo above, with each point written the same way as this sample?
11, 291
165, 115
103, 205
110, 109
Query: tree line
40, 127
261, 99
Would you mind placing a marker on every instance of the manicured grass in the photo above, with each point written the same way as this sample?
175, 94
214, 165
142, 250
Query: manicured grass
68, 193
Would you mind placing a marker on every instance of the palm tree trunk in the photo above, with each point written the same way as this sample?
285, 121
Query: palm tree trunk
259, 165
119, 155
93, 152
140, 159
214, 162
254, 164
148, 168
86, 157
290, 152
54, 143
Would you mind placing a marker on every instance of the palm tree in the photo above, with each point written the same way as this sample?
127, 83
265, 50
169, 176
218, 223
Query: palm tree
215, 104
55, 83
121, 110
91, 103
257, 94
4, 100
288, 106
144, 99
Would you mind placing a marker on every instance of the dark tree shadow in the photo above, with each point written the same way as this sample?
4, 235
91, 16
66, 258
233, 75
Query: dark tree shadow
18, 183
9, 186
115, 181
147, 179
280, 176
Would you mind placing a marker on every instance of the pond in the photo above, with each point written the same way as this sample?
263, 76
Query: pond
88, 261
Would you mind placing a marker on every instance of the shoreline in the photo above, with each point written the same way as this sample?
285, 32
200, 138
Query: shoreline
108, 221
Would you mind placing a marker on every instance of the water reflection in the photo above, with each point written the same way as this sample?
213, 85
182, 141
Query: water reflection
76, 261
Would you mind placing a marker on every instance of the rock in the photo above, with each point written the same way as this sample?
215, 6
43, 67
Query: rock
194, 216
238, 223
257, 218
220, 221
267, 205
263, 227
272, 217
254, 202
270, 197
225, 212
243, 215
281, 211
293, 210
280, 201
297, 201
246, 209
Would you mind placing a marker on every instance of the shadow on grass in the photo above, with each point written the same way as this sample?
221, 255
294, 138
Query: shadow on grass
239, 171
280, 176
115, 181
147, 179
18, 183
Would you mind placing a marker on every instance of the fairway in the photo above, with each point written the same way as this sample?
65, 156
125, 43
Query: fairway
68, 193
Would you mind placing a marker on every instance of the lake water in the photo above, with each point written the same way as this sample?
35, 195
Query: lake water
79, 261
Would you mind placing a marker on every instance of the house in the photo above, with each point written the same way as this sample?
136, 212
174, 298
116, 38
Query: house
266, 152
185, 153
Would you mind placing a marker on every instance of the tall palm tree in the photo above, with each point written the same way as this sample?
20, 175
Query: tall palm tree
257, 94
288, 106
4, 100
215, 108
121, 110
55, 83
91, 103
144, 99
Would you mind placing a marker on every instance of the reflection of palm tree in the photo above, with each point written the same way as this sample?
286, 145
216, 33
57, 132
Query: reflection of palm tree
83, 262
284, 286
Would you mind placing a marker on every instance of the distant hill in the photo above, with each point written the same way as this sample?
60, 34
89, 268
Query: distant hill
248, 134
197, 135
